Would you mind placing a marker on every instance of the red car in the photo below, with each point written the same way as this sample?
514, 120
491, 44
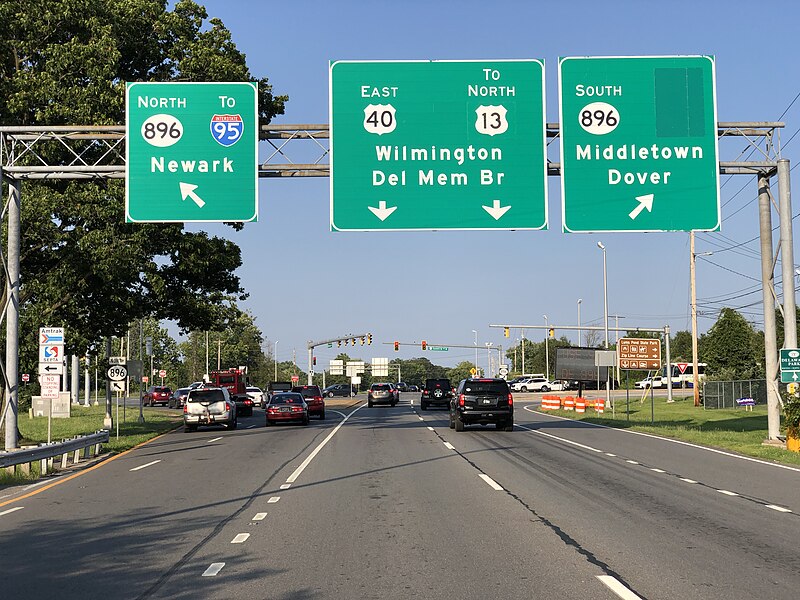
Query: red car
314, 399
287, 406
156, 395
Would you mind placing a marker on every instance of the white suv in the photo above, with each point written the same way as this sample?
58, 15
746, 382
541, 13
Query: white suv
533, 384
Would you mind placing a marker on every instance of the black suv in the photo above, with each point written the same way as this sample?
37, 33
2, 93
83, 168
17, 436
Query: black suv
482, 401
436, 391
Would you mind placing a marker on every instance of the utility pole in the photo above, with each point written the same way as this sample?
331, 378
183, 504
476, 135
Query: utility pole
523, 351
219, 353
579, 321
692, 285
546, 349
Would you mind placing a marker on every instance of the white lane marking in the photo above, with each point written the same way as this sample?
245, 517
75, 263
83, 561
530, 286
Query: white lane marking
555, 437
687, 480
430, 428
778, 508
286, 486
633, 462
33, 485
609, 454
212, 570
727, 493
673, 441
150, 464
240, 538
341, 414
11, 510
273, 500
420, 418
249, 426
492, 483
298, 471
615, 586
259, 516
449, 446
658, 470
216, 439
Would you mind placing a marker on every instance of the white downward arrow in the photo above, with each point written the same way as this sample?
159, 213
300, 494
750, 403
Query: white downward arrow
187, 191
496, 210
382, 212
645, 201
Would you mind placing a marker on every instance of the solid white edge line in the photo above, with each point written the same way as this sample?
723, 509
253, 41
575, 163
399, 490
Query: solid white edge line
213, 569
240, 538
299, 470
555, 437
449, 446
216, 439
673, 441
615, 586
11, 510
259, 517
727, 493
492, 483
150, 464
273, 500
778, 508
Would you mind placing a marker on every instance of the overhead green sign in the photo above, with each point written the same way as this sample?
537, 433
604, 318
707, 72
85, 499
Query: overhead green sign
639, 144
191, 152
438, 145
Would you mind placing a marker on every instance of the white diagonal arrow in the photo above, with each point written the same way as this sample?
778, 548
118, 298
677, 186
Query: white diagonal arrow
645, 201
496, 210
794, 375
188, 191
382, 212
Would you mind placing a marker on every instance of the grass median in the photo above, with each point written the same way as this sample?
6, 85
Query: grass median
734, 429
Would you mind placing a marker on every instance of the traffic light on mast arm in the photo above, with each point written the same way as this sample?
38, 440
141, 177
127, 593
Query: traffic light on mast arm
551, 332
424, 345
506, 332
369, 339
396, 346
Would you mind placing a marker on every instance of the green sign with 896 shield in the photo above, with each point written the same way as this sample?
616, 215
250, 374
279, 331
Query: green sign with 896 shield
438, 145
191, 152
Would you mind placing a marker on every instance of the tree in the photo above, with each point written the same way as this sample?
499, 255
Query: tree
66, 63
731, 348
681, 347
459, 372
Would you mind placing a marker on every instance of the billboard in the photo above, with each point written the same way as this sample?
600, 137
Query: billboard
577, 364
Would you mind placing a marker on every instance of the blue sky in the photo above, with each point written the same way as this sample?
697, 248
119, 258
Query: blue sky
306, 282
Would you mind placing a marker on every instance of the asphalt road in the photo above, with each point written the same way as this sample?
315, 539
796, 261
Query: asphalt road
391, 503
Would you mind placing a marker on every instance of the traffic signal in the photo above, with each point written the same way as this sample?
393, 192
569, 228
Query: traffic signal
424, 345
363, 341
396, 346
506, 332
551, 332
369, 338
314, 360
339, 343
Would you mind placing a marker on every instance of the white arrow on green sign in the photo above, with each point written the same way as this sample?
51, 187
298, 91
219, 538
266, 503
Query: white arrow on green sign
191, 152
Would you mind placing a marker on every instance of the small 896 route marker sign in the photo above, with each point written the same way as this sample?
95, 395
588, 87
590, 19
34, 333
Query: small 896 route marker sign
191, 152
117, 372
425, 145
638, 144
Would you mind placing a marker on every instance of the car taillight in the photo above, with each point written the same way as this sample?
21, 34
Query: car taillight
510, 400
185, 408
297, 408
317, 398
461, 400
228, 406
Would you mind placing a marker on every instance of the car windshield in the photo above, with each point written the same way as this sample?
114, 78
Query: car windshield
206, 396
162, 390
254, 389
286, 399
440, 383
486, 387
381, 387
308, 391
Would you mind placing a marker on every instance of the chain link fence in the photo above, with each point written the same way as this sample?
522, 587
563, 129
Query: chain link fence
724, 394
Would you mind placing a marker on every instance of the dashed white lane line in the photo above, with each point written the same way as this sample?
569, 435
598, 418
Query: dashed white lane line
611, 455
449, 446
492, 483
687, 480
11, 510
150, 464
654, 470
727, 493
240, 538
420, 418
249, 426
273, 500
633, 462
615, 586
286, 486
260, 516
778, 508
430, 428
213, 569
216, 439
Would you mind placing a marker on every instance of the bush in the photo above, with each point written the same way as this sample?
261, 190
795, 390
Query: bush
791, 410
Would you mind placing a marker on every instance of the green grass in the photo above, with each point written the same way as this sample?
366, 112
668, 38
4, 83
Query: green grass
85, 420
731, 429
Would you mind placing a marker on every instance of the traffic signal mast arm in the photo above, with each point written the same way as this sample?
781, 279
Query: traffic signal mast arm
364, 337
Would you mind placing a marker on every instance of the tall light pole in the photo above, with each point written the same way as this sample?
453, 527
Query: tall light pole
522, 335
579, 321
693, 286
605, 316
546, 349
275, 356
476, 351
488, 359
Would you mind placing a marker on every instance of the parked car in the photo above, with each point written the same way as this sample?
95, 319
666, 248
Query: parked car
209, 406
286, 406
647, 382
178, 398
413, 388
339, 389
482, 401
157, 394
256, 394
314, 399
401, 386
382, 393
436, 392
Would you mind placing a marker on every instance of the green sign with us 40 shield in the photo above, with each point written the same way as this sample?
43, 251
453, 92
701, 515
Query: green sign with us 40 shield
191, 152
639, 144
438, 145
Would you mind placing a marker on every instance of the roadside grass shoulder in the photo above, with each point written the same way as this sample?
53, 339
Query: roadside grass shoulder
736, 430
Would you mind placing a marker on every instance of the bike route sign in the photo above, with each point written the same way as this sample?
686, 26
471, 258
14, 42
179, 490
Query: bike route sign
639, 144
422, 145
191, 152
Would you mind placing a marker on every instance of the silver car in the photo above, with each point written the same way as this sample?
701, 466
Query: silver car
209, 406
382, 393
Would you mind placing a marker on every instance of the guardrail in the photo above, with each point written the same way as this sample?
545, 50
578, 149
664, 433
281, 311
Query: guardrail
46, 453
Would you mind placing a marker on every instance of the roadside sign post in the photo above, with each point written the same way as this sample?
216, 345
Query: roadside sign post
422, 145
192, 152
639, 144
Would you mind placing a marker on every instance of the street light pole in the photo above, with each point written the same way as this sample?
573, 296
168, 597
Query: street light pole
579, 321
605, 316
693, 287
522, 335
546, 349
476, 350
276, 360
488, 359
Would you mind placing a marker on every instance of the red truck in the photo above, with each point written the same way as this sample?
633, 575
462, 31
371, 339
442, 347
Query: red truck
235, 381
